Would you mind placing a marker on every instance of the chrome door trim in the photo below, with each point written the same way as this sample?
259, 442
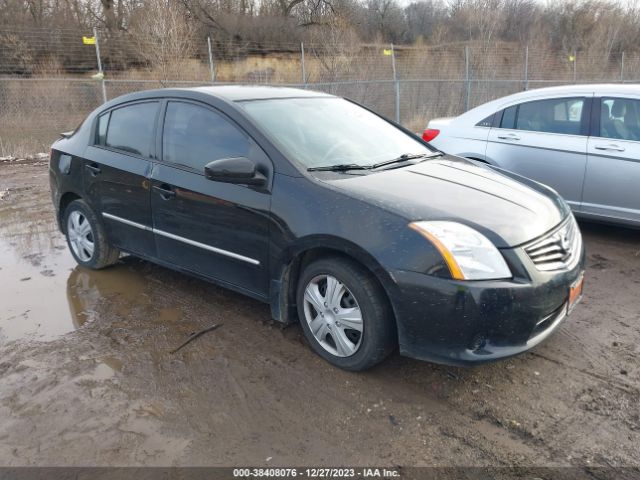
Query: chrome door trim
611, 207
574, 205
178, 238
226, 253
127, 222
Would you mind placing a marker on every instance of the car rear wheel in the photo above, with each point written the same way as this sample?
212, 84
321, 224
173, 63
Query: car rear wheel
345, 314
86, 238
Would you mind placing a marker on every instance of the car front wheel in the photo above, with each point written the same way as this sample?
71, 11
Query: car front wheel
344, 314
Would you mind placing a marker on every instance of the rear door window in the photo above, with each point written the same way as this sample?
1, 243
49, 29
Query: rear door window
620, 118
558, 115
130, 128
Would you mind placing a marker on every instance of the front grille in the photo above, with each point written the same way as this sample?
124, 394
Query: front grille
558, 250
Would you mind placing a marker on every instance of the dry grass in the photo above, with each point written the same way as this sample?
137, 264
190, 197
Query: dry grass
33, 111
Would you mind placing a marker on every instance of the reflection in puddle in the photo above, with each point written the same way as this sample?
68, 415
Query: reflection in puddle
42, 306
86, 289
43, 293
32, 294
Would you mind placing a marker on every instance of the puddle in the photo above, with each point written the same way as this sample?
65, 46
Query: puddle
43, 292
33, 290
46, 301
113, 363
169, 315
87, 288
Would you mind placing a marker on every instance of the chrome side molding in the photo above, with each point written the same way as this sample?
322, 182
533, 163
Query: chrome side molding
178, 238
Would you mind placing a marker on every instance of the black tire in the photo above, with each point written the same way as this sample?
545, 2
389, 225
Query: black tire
104, 254
379, 335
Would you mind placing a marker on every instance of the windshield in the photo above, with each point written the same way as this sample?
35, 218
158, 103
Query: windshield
320, 132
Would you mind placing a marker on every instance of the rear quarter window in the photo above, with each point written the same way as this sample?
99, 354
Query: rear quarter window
487, 122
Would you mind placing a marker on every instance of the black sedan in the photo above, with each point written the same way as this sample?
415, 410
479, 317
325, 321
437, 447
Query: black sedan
333, 215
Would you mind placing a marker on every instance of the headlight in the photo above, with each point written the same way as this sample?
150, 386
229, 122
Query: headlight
468, 254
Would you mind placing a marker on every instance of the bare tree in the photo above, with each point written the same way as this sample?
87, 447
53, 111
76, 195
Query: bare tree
113, 14
386, 19
598, 29
163, 37
334, 46
423, 17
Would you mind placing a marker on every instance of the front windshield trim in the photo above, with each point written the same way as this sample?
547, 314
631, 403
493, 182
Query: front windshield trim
291, 154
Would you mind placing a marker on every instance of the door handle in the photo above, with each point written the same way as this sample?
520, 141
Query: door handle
94, 169
165, 191
615, 148
509, 136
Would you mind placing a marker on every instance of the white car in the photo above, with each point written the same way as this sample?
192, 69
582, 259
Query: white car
581, 140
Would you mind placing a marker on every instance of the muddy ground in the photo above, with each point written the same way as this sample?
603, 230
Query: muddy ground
86, 377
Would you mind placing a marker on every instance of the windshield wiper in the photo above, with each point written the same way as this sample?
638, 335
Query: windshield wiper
340, 167
343, 167
404, 157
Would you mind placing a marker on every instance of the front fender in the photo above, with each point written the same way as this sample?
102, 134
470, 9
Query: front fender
284, 284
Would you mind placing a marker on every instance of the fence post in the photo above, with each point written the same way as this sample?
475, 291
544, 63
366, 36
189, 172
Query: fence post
526, 67
212, 70
467, 79
622, 68
303, 72
100, 72
575, 71
396, 83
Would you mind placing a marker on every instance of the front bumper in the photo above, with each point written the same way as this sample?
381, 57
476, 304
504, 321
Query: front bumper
470, 322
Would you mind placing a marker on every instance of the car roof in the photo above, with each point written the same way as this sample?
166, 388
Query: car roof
481, 111
227, 94
237, 93
569, 90
582, 88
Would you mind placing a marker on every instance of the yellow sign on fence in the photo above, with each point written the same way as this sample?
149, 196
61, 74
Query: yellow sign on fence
89, 40
387, 51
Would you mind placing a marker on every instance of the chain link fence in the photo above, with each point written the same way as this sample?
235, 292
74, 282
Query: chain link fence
51, 79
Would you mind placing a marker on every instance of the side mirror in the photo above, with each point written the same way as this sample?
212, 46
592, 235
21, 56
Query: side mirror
239, 170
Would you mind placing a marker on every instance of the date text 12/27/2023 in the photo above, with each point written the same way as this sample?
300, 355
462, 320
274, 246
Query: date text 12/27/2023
275, 472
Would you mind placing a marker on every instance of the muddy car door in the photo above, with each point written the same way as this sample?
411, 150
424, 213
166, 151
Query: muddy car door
116, 174
216, 229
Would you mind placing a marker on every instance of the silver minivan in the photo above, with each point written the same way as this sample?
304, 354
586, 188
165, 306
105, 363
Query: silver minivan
581, 140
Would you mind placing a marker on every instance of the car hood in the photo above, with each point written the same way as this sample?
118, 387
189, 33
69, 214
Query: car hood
509, 212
